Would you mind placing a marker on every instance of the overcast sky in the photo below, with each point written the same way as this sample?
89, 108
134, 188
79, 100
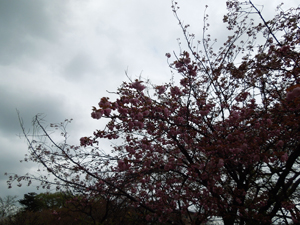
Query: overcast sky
59, 58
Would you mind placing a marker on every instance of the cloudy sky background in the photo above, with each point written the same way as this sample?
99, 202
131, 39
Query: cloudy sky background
59, 58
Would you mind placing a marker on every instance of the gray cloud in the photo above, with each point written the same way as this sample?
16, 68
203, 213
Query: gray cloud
79, 66
28, 104
25, 25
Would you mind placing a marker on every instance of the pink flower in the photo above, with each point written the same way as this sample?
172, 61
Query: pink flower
148, 217
161, 89
107, 111
187, 60
130, 150
140, 125
235, 115
175, 91
139, 116
138, 86
97, 114
121, 165
256, 158
204, 113
130, 125
122, 110
134, 101
238, 200
180, 119
280, 144
284, 157
84, 141
115, 105
242, 96
166, 112
293, 94
146, 113
220, 163
104, 102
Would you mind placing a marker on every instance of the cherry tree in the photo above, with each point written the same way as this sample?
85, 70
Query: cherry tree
222, 142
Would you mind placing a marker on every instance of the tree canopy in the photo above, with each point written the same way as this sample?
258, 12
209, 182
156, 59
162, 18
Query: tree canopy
66, 208
223, 141
8, 207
